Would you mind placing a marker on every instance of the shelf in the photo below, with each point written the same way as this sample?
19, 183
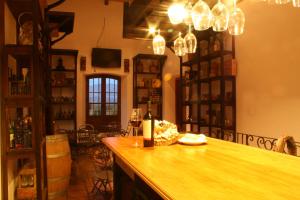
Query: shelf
208, 57
62, 103
21, 50
214, 55
64, 119
216, 126
152, 73
19, 6
190, 122
20, 152
63, 86
145, 102
190, 102
148, 88
63, 71
63, 20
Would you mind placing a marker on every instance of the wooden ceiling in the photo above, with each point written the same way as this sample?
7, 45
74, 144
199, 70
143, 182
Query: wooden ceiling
141, 14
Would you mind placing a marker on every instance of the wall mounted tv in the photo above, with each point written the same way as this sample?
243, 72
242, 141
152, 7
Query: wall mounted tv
106, 58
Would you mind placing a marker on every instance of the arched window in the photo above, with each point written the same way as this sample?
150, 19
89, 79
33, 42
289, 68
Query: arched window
103, 98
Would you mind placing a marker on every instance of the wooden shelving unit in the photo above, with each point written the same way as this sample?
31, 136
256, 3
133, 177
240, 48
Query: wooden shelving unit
23, 85
147, 82
207, 82
63, 64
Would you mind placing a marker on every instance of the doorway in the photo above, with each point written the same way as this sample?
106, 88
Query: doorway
103, 101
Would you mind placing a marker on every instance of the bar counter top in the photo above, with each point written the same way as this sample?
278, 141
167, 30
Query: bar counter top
216, 170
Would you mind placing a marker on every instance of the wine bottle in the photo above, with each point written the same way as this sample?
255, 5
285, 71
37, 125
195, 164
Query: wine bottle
11, 136
148, 127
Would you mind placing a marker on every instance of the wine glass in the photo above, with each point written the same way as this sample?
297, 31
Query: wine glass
136, 120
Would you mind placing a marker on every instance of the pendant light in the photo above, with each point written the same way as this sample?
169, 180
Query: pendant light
188, 14
201, 16
296, 3
176, 13
159, 44
236, 22
220, 15
282, 1
190, 41
179, 46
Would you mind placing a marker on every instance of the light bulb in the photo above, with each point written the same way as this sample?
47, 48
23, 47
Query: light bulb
201, 16
176, 13
220, 15
159, 44
179, 46
190, 41
236, 22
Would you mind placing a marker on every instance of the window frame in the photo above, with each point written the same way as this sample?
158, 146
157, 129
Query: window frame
103, 118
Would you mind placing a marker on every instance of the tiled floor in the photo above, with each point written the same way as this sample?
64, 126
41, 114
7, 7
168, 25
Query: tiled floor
81, 184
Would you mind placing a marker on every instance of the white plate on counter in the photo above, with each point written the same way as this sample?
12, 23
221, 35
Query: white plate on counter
193, 139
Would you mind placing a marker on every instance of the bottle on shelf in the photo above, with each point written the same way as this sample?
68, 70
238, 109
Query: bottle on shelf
148, 127
11, 135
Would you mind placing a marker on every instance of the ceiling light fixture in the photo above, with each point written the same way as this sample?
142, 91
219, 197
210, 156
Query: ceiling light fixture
176, 13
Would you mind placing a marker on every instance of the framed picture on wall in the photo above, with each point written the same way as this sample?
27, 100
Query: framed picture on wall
126, 65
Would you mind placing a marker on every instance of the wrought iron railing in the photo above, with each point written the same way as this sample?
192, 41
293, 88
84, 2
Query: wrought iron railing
262, 142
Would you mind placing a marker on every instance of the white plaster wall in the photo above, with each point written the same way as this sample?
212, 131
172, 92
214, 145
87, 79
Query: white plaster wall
268, 95
89, 20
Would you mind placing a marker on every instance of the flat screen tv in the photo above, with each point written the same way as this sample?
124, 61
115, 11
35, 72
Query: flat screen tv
106, 57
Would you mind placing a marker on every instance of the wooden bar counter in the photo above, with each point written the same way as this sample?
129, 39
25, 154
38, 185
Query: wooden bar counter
217, 170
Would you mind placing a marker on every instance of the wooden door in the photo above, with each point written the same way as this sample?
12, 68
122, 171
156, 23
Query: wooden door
103, 101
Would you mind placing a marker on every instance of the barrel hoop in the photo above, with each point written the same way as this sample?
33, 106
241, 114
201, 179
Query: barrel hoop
53, 195
58, 155
55, 138
58, 179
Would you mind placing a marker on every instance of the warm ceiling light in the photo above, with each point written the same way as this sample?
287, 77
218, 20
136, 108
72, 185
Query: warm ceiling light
220, 15
176, 13
201, 16
190, 41
188, 14
159, 44
179, 46
151, 30
236, 22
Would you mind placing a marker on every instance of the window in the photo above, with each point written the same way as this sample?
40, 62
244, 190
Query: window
103, 100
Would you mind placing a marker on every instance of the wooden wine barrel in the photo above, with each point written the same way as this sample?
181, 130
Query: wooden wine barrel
58, 166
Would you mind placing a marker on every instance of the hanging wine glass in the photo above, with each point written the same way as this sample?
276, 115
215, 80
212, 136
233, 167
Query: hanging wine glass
236, 21
159, 44
220, 15
188, 14
296, 3
179, 46
201, 16
190, 41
